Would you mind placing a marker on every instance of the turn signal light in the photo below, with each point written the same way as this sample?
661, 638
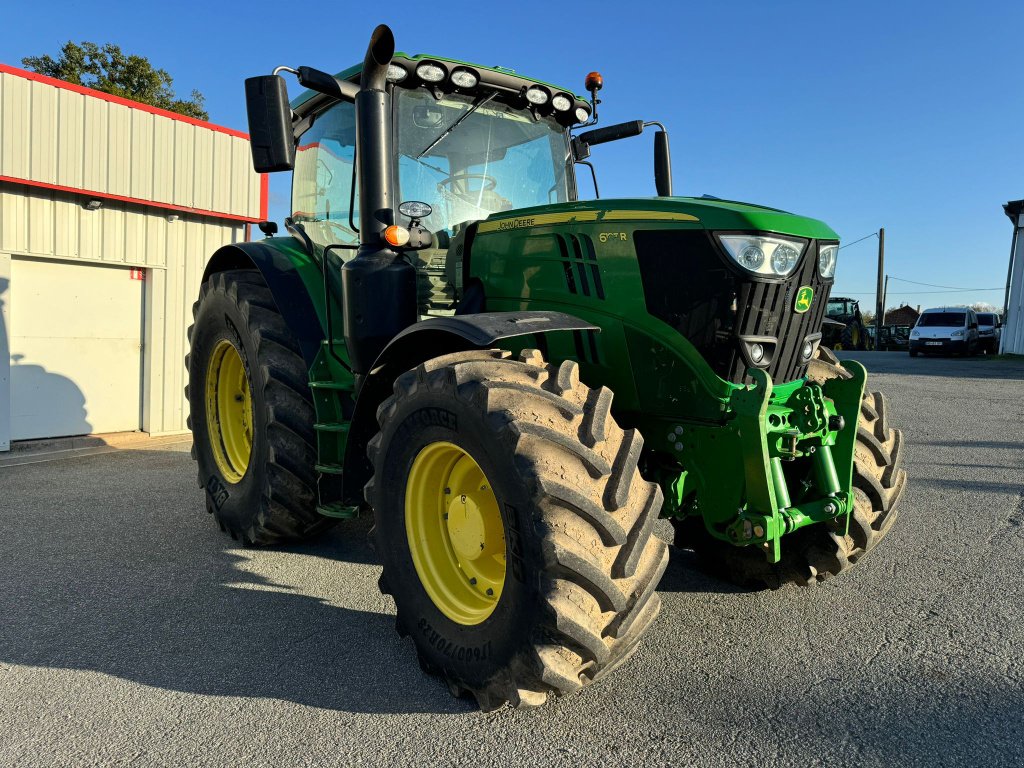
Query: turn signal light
396, 235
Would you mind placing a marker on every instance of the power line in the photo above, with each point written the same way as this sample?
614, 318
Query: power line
847, 245
933, 285
924, 293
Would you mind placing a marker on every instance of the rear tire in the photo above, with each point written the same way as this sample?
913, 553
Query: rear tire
273, 498
853, 337
816, 553
578, 589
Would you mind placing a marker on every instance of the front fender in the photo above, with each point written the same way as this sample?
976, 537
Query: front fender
420, 342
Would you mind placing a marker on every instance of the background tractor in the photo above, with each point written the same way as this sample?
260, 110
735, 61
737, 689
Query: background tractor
450, 339
844, 327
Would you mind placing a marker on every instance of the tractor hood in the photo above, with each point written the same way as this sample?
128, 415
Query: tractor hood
712, 214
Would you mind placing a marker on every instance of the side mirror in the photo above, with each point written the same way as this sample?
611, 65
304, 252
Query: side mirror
662, 165
270, 124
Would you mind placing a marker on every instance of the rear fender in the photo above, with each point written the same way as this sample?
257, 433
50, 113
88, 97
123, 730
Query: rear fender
293, 278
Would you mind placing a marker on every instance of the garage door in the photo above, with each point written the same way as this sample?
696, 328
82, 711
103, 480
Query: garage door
76, 349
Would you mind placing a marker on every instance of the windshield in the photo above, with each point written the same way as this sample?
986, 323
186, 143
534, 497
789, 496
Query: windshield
947, 319
986, 318
469, 157
836, 307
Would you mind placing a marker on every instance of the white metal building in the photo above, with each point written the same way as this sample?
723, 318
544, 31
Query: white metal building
1013, 323
109, 210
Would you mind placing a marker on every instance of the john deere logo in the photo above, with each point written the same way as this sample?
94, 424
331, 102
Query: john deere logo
804, 297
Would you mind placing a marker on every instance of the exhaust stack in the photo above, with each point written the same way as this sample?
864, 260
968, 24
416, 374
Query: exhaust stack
378, 286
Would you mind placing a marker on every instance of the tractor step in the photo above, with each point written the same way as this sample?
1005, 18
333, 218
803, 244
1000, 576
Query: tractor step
338, 510
329, 469
330, 426
330, 385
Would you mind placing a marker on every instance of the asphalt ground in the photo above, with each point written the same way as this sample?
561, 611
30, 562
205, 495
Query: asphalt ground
133, 632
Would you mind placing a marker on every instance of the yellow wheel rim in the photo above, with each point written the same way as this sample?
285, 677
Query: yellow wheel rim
229, 411
456, 536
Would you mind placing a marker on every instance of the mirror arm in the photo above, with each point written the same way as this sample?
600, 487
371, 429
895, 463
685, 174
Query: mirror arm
593, 175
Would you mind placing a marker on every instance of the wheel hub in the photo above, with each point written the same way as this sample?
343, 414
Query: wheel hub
455, 531
229, 411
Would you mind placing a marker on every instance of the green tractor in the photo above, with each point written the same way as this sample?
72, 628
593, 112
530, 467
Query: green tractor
449, 339
843, 326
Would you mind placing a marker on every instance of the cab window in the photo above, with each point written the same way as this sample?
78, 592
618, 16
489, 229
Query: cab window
322, 182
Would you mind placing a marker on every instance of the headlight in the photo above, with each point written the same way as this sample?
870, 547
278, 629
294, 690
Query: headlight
827, 256
536, 95
561, 102
956, 334
582, 115
396, 74
763, 255
915, 334
463, 78
432, 73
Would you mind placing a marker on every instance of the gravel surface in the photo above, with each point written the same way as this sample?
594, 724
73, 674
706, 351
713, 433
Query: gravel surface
133, 632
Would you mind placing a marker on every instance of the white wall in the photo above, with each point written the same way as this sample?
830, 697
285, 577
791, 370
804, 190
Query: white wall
5, 352
36, 223
1013, 330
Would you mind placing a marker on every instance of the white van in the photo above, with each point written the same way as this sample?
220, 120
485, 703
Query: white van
989, 325
947, 330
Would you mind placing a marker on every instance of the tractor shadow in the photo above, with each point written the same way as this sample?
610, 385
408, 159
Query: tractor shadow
686, 575
110, 564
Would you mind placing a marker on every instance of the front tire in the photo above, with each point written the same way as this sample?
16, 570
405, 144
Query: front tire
559, 479
251, 413
816, 553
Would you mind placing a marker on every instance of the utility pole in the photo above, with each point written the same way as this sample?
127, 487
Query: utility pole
880, 292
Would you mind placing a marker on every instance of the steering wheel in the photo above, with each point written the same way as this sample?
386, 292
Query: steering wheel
489, 183
350, 238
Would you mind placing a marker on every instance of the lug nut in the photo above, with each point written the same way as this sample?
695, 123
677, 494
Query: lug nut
490, 591
830, 509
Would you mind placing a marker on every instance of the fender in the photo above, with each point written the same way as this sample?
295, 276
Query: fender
282, 265
420, 342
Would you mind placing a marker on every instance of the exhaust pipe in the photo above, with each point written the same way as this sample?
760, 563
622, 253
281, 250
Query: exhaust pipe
378, 286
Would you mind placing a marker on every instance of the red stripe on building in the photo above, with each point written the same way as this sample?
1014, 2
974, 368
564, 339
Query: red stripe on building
148, 203
64, 85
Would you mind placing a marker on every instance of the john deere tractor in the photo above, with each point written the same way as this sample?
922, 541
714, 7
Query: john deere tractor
450, 340
843, 325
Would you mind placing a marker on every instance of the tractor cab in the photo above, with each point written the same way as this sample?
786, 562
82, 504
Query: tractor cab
467, 142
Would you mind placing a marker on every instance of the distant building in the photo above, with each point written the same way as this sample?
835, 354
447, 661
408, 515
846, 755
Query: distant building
1013, 322
904, 315
109, 210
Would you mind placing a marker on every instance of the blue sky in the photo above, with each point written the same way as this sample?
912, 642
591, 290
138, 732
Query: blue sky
902, 115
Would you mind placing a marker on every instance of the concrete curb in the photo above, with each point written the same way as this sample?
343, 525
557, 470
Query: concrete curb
36, 451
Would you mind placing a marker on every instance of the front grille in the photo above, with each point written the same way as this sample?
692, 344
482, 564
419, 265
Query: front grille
688, 285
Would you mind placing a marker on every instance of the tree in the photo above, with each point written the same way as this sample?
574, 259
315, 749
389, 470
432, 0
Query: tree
105, 68
984, 306
868, 316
